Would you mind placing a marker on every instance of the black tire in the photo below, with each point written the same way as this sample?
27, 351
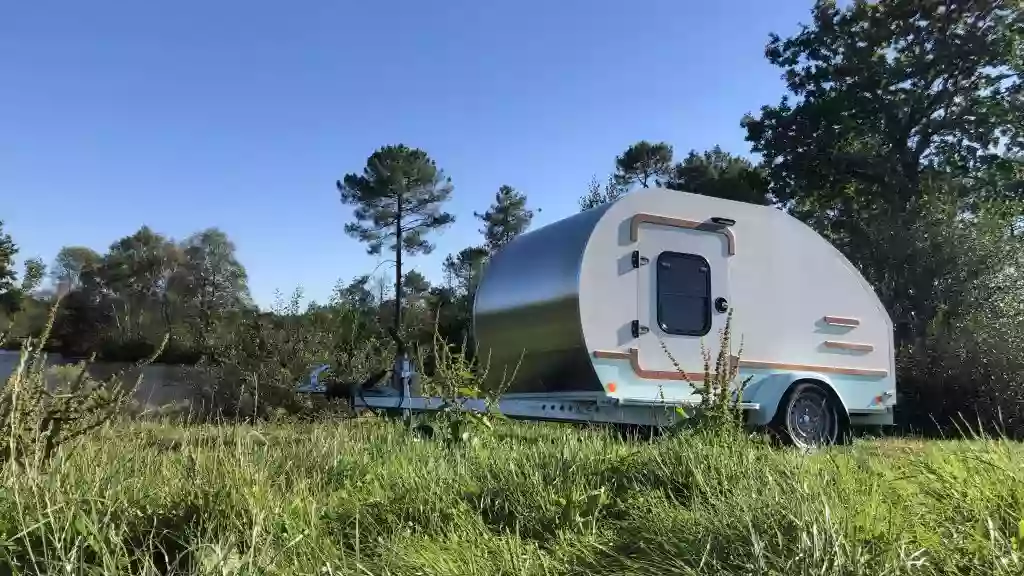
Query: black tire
423, 431
810, 417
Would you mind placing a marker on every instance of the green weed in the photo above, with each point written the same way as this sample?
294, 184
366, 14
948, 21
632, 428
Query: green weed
720, 393
43, 408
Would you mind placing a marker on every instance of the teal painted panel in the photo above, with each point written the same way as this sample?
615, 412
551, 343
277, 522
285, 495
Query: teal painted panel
765, 387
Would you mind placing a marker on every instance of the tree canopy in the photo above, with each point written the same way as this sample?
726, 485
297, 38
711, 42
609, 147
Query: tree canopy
597, 195
881, 93
8, 249
400, 188
899, 113
463, 269
644, 164
720, 174
71, 263
506, 218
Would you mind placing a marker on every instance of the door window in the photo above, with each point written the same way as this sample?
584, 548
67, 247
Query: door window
684, 294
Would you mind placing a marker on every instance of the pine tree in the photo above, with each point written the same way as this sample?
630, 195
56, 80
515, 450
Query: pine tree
506, 218
398, 198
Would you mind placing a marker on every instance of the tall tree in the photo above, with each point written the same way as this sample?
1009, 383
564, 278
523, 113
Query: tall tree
643, 163
415, 285
356, 294
896, 108
210, 281
69, 265
8, 249
596, 195
137, 271
397, 198
464, 268
35, 270
12, 296
887, 91
506, 218
416, 290
720, 174
83, 319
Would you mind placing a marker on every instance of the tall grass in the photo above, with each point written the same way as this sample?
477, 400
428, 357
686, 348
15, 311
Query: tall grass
365, 498
43, 408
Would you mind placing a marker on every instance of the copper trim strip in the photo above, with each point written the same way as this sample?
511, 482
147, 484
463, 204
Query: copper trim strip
841, 321
812, 368
611, 355
638, 219
634, 360
849, 346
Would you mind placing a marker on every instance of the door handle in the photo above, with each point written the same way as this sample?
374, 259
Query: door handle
637, 329
637, 260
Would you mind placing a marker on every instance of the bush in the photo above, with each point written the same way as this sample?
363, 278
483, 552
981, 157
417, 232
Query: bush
965, 377
42, 408
252, 372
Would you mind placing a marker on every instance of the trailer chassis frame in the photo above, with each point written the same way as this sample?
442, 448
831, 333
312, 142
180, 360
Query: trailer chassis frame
570, 407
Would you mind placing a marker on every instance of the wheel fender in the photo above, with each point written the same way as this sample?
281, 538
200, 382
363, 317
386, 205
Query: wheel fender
769, 391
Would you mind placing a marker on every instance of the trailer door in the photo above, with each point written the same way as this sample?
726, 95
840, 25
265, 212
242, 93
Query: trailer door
683, 297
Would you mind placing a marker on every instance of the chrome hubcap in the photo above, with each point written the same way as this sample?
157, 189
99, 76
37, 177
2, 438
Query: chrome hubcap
811, 421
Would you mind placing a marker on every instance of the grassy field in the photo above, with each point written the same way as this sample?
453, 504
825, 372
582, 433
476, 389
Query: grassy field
365, 497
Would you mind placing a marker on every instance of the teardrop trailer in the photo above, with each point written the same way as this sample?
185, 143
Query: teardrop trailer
571, 319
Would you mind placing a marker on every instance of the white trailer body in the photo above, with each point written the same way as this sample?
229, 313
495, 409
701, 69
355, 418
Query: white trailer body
584, 304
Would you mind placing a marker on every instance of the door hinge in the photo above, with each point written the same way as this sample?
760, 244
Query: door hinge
637, 329
639, 260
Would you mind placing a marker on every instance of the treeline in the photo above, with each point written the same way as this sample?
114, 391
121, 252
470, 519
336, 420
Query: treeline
120, 304
899, 138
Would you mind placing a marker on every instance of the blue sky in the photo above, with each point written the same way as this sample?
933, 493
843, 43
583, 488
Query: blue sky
241, 115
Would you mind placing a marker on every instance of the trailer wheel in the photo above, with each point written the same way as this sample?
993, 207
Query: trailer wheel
809, 417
